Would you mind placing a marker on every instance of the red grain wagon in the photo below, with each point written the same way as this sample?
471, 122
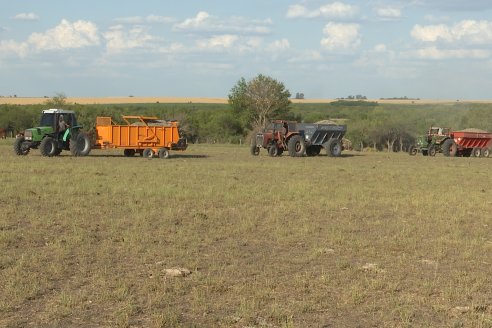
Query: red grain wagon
468, 142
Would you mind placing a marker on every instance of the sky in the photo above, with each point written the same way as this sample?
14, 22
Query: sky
429, 49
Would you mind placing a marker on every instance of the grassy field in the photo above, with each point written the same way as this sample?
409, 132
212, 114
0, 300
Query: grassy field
365, 240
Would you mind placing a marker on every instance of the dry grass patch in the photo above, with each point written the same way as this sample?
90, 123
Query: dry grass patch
366, 239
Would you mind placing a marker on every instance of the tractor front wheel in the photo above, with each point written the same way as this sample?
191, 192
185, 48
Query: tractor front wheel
80, 144
20, 147
47, 147
412, 151
255, 150
296, 146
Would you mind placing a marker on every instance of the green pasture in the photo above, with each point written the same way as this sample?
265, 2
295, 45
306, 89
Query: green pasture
365, 240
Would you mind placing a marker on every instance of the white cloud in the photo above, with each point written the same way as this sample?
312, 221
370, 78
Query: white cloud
151, 19
66, 35
26, 17
332, 10
439, 54
118, 39
20, 49
279, 45
341, 37
388, 13
220, 41
203, 22
468, 31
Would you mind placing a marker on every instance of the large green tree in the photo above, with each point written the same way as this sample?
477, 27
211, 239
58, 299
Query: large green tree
259, 100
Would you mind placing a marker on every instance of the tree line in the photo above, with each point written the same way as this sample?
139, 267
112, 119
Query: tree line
383, 127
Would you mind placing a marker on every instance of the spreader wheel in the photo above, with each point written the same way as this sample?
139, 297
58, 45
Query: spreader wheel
163, 153
333, 147
129, 152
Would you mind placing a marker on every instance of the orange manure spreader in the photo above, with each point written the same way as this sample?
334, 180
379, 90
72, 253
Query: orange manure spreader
145, 135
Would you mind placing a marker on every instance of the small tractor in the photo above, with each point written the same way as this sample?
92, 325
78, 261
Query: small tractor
58, 130
299, 139
466, 143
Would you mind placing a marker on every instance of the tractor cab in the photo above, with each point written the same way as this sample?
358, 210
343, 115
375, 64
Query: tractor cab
58, 119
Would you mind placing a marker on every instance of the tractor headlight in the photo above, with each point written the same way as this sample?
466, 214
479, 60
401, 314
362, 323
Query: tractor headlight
306, 136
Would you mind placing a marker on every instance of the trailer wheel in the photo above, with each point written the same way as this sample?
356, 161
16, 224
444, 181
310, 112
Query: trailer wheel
296, 146
163, 153
333, 147
412, 151
19, 147
476, 152
273, 150
129, 152
80, 144
449, 148
148, 153
47, 147
485, 152
255, 150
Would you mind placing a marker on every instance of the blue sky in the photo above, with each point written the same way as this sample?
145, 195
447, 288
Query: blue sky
325, 49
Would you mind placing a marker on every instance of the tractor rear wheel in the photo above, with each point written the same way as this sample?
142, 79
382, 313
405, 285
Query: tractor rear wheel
449, 148
333, 147
296, 146
80, 144
47, 147
485, 152
148, 153
412, 151
19, 147
163, 153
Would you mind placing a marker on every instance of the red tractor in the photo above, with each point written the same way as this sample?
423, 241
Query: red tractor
300, 139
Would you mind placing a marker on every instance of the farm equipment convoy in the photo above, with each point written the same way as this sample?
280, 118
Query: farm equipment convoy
58, 131
144, 135
466, 143
300, 139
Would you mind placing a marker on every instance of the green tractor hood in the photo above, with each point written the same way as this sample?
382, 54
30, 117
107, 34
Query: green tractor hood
37, 133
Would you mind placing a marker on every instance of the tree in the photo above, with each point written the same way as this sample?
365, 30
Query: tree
259, 100
59, 100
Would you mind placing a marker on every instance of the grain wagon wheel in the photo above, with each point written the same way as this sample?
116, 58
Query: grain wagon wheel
19, 147
449, 148
333, 147
476, 152
485, 152
148, 153
163, 153
296, 146
47, 147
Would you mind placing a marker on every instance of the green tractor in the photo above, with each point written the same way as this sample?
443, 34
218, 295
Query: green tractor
432, 142
57, 131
